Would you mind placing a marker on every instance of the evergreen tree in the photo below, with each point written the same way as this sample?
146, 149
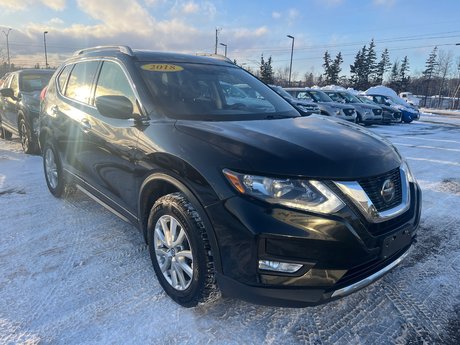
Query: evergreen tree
382, 67
327, 67
266, 70
370, 66
394, 76
430, 70
403, 74
358, 70
336, 69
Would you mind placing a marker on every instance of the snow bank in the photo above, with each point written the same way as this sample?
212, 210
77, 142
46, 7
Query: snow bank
382, 90
334, 87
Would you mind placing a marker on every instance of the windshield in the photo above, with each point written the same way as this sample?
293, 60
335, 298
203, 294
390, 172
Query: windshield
211, 92
34, 82
319, 96
366, 100
349, 98
335, 96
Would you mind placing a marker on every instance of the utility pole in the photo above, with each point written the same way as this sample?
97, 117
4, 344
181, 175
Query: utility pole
44, 43
292, 53
224, 45
7, 47
217, 39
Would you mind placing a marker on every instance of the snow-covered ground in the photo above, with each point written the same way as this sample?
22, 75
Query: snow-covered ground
73, 273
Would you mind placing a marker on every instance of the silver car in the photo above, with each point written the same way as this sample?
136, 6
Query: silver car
366, 114
326, 104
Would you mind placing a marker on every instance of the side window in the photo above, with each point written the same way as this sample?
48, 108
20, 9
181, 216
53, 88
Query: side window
14, 84
80, 81
113, 82
62, 79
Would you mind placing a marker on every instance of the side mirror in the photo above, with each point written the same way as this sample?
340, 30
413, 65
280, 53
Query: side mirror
387, 103
7, 93
116, 107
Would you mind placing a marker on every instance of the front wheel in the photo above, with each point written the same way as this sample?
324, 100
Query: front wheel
180, 251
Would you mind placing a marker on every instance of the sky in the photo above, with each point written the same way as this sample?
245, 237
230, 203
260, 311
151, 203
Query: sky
248, 28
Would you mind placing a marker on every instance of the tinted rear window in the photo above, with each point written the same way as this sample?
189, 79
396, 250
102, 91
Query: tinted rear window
34, 82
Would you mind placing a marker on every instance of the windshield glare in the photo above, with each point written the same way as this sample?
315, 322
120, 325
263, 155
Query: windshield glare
319, 96
211, 92
349, 97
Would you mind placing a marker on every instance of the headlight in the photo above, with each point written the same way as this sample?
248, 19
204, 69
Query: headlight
309, 195
410, 176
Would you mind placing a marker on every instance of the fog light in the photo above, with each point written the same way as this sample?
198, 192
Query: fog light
277, 266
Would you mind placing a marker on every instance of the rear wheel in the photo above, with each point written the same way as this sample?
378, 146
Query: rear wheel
180, 251
26, 137
54, 174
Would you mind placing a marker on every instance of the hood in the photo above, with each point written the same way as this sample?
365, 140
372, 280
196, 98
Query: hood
315, 146
365, 105
337, 105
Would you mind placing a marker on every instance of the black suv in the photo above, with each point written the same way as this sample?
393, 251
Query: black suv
247, 197
20, 103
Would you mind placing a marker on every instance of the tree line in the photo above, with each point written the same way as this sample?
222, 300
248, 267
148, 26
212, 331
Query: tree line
440, 76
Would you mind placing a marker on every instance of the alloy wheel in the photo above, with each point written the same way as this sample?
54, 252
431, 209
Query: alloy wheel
51, 168
173, 252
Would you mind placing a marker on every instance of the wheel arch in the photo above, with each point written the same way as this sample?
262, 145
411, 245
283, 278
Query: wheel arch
159, 184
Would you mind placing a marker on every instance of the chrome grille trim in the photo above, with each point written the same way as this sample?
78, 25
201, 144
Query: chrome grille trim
357, 195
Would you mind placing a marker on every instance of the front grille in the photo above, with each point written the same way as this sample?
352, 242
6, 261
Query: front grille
348, 112
373, 187
397, 115
377, 111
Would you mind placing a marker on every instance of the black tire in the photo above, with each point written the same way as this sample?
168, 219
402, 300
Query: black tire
58, 186
28, 145
5, 134
359, 119
201, 286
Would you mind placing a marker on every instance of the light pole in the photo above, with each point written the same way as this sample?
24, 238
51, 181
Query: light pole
292, 52
44, 43
223, 44
7, 46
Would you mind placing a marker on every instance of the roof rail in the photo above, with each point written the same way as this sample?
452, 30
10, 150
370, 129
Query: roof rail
215, 56
124, 49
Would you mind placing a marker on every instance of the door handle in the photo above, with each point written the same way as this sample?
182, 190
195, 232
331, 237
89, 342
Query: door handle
85, 125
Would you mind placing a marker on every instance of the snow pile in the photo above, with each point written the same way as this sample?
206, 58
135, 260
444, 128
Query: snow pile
355, 92
334, 87
382, 90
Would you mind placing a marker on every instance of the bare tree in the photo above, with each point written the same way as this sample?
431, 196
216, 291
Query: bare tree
445, 60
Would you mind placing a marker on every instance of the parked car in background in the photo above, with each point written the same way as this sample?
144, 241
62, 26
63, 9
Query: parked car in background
272, 207
239, 99
366, 114
326, 104
408, 113
304, 106
20, 103
410, 98
389, 114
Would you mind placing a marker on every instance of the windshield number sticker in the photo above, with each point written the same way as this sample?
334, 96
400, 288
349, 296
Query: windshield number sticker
162, 67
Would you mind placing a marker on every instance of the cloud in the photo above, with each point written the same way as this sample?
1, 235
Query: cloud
190, 7
15, 5
276, 15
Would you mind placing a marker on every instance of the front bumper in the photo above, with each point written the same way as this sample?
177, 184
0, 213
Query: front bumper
340, 253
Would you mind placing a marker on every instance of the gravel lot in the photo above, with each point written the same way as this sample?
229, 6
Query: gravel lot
73, 273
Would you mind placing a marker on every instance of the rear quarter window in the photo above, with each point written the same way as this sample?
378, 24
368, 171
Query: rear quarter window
81, 80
